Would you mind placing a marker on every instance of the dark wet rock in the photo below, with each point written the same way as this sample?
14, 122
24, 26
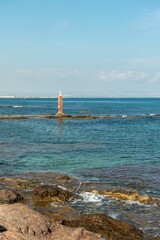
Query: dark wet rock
10, 196
41, 191
13, 117
57, 211
62, 178
3, 143
107, 226
53, 193
16, 182
64, 195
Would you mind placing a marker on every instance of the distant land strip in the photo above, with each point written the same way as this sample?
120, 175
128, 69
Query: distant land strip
78, 117
29, 96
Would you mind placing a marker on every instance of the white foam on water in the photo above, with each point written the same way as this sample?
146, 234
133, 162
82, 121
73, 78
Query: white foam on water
137, 203
124, 116
63, 188
114, 215
91, 197
151, 114
17, 106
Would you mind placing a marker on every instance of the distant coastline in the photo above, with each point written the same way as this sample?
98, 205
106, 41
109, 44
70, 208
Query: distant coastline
28, 96
69, 96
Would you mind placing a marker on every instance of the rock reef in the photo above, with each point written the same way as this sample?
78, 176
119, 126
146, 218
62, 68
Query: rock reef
73, 117
125, 195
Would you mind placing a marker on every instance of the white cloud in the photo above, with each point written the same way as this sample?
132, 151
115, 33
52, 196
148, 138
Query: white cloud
155, 78
120, 75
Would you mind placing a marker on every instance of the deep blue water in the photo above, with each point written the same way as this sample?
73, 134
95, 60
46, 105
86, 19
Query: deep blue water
120, 151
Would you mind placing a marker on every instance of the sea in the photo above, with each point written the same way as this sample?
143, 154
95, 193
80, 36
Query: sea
122, 151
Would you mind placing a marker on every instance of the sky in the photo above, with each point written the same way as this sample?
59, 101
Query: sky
86, 48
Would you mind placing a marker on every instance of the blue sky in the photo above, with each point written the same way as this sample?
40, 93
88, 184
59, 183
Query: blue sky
99, 48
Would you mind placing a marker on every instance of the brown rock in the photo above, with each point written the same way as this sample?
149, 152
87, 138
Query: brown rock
21, 219
10, 196
60, 233
9, 235
18, 222
41, 191
65, 233
107, 226
64, 195
16, 182
53, 193
62, 178
133, 196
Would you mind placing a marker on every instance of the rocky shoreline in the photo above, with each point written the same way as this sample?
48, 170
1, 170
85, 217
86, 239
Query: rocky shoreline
38, 206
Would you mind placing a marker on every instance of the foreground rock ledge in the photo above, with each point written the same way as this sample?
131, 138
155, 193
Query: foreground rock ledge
19, 222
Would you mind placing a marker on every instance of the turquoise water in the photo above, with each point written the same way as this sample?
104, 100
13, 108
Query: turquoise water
121, 151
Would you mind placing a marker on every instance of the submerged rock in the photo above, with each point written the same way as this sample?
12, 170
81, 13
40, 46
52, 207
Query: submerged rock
121, 194
41, 191
128, 195
17, 182
63, 178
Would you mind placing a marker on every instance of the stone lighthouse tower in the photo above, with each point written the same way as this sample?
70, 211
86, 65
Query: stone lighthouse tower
60, 104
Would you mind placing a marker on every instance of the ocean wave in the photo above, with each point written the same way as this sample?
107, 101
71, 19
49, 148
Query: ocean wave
16, 106
91, 197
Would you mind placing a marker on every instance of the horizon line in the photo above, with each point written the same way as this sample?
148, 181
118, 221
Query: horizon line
66, 96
